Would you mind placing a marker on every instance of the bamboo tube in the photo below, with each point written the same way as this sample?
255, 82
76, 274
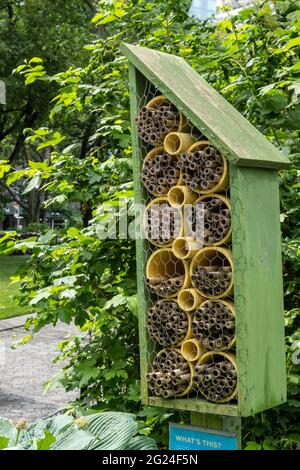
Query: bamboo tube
201, 200
160, 326
211, 357
176, 372
189, 299
154, 153
157, 102
223, 181
151, 386
192, 350
156, 119
203, 259
185, 247
229, 306
168, 393
155, 211
164, 265
178, 142
178, 389
184, 125
178, 196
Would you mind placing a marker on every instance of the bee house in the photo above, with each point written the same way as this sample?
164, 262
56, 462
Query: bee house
208, 245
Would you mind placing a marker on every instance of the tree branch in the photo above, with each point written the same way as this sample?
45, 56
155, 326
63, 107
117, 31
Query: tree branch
14, 195
28, 122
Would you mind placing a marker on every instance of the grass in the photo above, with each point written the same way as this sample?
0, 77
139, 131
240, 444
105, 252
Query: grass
8, 306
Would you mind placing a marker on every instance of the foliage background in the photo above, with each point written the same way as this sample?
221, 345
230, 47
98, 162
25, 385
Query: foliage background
253, 60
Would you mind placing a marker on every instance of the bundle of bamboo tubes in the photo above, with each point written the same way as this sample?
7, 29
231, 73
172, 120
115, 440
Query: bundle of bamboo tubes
165, 287
170, 375
185, 171
160, 173
216, 378
162, 223
212, 216
213, 325
201, 169
167, 324
154, 123
212, 280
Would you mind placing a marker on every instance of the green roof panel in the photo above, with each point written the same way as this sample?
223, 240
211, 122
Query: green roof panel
212, 114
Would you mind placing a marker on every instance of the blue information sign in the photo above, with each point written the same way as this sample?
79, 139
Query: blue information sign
194, 438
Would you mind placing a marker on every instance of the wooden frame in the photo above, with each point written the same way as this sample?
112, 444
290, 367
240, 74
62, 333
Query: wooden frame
256, 234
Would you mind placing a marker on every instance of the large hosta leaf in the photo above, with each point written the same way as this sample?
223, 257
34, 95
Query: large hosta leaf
53, 425
141, 443
113, 431
8, 431
73, 438
101, 431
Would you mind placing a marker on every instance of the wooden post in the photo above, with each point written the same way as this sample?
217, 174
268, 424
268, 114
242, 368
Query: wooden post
231, 424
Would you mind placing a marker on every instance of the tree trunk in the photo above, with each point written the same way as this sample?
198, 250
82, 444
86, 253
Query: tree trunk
87, 213
34, 207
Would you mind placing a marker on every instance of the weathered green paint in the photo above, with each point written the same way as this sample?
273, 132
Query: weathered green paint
206, 420
230, 424
195, 404
233, 424
256, 242
257, 275
136, 84
224, 126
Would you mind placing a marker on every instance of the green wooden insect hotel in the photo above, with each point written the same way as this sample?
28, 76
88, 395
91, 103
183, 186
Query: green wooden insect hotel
209, 267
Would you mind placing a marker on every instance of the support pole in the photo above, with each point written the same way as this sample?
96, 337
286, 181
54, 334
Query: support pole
232, 424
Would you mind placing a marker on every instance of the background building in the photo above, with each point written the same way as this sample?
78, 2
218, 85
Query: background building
205, 8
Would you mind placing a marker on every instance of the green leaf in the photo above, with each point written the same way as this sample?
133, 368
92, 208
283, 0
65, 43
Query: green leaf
275, 100
4, 168
34, 183
12, 177
97, 17
133, 304
289, 45
32, 77
252, 445
67, 281
107, 19
55, 139
73, 439
38, 165
73, 232
42, 294
115, 301
114, 431
46, 442
293, 117
68, 294
8, 431
269, 444
87, 373
3, 442
36, 60
294, 437
142, 443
